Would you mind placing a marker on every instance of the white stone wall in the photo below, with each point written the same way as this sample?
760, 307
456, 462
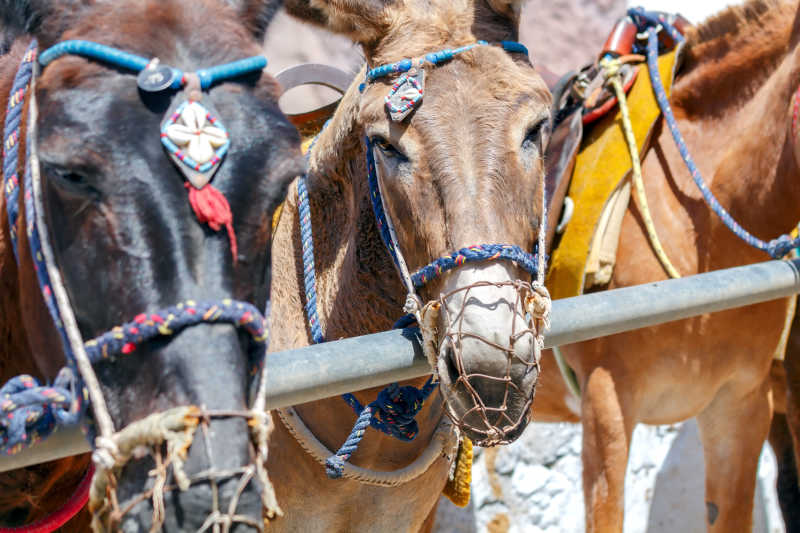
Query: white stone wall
534, 485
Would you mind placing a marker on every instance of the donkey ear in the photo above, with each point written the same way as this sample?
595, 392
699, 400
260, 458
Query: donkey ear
360, 20
508, 8
16, 19
257, 14
44, 19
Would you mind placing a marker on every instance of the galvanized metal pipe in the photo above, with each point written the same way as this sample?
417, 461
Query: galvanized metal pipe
325, 370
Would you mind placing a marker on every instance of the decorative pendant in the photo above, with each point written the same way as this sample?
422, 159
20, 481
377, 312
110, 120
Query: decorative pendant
406, 94
196, 141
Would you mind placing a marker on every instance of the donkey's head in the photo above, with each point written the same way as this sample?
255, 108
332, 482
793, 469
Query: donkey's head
129, 241
456, 144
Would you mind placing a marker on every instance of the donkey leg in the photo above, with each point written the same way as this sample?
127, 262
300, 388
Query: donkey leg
733, 429
606, 439
791, 365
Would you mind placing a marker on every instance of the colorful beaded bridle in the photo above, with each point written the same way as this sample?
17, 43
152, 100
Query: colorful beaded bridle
394, 411
197, 141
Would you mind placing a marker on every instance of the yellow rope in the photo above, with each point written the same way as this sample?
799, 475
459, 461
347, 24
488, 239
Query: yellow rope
612, 67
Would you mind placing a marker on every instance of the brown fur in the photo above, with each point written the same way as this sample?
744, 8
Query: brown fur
461, 146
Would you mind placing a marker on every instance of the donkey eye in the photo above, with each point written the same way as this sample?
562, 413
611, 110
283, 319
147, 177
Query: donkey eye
72, 177
69, 179
534, 136
388, 148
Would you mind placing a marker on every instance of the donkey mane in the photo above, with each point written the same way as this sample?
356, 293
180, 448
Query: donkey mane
752, 16
760, 31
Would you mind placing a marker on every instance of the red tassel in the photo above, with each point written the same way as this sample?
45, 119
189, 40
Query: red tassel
211, 208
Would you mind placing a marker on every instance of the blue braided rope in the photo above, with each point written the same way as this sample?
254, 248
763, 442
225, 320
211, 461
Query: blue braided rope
309, 271
40, 266
377, 203
393, 413
30, 412
776, 248
481, 252
136, 63
124, 339
334, 465
11, 133
307, 242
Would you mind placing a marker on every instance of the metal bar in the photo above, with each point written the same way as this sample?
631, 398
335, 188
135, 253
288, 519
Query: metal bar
325, 370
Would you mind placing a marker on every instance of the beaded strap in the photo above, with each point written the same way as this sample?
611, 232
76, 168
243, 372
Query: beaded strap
137, 63
435, 58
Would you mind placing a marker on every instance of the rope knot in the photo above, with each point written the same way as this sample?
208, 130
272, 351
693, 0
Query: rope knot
777, 248
396, 407
539, 305
105, 453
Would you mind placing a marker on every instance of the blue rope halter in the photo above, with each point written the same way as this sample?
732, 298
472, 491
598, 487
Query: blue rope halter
30, 411
649, 22
395, 409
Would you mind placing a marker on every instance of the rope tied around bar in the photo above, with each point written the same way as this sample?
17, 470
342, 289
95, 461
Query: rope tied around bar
393, 412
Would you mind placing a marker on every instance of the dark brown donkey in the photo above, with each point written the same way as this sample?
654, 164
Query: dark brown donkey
464, 168
127, 240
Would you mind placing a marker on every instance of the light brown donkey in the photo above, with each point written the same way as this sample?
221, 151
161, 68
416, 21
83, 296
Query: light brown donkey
465, 168
733, 102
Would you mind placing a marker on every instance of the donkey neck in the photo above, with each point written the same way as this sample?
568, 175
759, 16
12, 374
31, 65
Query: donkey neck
732, 55
735, 111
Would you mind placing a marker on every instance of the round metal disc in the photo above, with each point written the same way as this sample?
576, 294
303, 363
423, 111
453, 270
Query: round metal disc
155, 79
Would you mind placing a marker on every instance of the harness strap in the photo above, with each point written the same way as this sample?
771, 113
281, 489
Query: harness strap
444, 443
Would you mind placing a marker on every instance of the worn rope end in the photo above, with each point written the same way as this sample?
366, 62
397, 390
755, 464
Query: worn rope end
334, 467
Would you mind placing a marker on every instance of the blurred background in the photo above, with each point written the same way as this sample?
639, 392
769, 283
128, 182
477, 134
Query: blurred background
534, 485
560, 34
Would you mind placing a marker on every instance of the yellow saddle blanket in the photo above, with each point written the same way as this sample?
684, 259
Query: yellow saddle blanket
600, 190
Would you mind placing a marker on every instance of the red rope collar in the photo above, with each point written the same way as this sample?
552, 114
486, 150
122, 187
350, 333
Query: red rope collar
63, 515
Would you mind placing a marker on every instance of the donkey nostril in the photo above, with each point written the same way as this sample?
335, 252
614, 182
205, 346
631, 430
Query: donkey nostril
450, 361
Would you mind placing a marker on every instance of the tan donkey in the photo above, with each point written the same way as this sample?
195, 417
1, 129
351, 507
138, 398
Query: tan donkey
463, 168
